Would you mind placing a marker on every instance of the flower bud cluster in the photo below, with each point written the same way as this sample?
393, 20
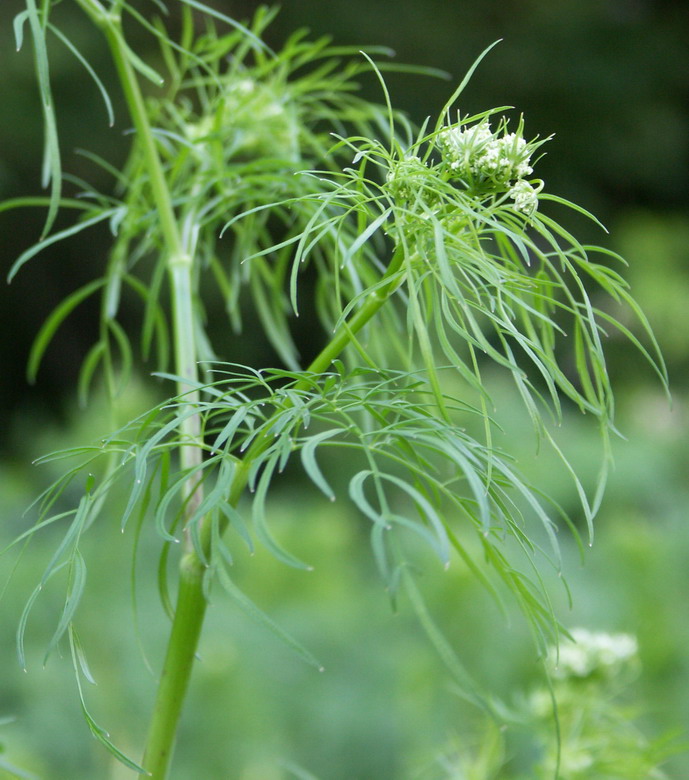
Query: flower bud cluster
483, 155
483, 159
407, 178
256, 122
525, 197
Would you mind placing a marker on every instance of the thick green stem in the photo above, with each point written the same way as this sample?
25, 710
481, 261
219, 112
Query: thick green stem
172, 687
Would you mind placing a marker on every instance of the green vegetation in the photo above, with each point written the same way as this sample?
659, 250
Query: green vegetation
460, 321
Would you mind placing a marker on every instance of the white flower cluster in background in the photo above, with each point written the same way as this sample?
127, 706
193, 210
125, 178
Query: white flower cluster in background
479, 156
256, 121
592, 652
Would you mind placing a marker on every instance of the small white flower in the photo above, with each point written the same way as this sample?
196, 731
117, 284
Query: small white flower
245, 86
196, 131
525, 197
592, 652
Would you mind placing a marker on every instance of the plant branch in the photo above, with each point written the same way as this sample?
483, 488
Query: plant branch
191, 604
191, 599
342, 337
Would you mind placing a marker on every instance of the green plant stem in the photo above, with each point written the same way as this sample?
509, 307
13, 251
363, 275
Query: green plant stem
389, 282
179, 262
191, 598
191, 604
190, 611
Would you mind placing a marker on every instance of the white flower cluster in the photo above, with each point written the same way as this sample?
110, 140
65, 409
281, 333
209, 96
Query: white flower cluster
525, 197
482, 154
481, 157
592, 652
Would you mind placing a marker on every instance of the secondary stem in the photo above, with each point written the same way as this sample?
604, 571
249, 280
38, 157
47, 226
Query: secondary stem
389, 282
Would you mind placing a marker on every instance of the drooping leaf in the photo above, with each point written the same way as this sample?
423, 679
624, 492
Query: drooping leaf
255, 613
50, 326
78, 661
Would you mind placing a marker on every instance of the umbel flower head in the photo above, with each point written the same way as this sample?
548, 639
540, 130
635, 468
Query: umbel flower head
253, 120
487, 161
480, 154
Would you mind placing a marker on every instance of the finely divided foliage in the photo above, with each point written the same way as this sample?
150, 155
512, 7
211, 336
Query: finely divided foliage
435, 254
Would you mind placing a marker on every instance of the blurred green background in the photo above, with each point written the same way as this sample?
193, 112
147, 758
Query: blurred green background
611, 79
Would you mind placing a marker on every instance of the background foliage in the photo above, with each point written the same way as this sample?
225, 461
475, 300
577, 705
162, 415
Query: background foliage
611, 80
